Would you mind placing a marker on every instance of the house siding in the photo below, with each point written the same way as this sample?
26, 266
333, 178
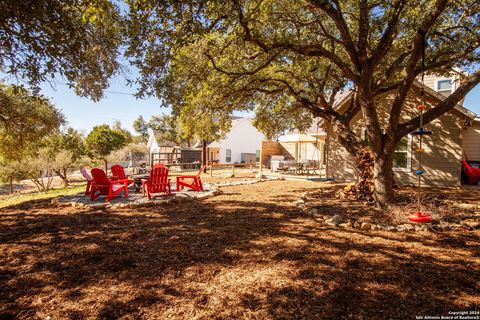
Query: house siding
471, 141
243, 137
430, 80
443, 149
340, 165
310, 150
290, 150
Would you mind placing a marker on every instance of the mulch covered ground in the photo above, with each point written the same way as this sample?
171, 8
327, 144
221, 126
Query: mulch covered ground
246, 254
447, 204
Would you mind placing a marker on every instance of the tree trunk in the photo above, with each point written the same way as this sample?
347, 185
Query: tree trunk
65, 178
62, 175
11, 184
383, 180
204, 155
106, 166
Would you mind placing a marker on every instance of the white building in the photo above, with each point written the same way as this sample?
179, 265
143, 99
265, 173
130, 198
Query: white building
240, 145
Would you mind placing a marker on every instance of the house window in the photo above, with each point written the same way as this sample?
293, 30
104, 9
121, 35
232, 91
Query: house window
445, 86
228, 157
257, 156
401, 154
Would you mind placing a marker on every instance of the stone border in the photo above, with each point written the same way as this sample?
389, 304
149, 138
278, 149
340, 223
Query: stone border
338, 221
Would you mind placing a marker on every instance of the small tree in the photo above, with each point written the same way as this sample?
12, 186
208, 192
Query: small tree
25, 119
137, 152
66, 149
102, 140
10, 172
131, 152
282, 116
207, 126
39, 169
169, 128
140, 127
117, 126
62, 162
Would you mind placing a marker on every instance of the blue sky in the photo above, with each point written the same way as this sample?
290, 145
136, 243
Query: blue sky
119, 104
472, 100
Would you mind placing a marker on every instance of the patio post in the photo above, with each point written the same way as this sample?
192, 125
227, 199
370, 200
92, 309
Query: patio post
261, 156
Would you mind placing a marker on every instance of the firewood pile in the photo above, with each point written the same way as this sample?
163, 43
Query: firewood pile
363, 189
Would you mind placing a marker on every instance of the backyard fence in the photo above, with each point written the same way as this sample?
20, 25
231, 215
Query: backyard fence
217, 169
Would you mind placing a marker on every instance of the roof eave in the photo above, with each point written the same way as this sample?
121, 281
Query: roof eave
458, 107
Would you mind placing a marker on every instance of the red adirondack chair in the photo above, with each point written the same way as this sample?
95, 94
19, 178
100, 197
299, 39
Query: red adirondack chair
85, 174
192, 182
471, 170
158, 182
103, 186
118, 174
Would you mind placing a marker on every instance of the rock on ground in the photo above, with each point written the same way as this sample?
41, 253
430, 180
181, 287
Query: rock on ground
299, 203
260, 176
334, 221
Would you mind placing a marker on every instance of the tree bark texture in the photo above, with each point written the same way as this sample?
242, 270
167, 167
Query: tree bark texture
383, 181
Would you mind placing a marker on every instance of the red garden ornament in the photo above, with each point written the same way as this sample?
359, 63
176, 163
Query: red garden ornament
419, 217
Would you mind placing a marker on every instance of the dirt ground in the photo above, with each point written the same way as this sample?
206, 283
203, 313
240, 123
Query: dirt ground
246, 254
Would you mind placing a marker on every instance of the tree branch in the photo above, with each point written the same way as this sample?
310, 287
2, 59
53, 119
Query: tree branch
446, 105
389, 35
265, 64
353, 109
336, 15
397, 104
363, 29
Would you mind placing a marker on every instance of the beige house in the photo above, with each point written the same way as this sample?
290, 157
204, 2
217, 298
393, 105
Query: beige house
471, 141
455, 134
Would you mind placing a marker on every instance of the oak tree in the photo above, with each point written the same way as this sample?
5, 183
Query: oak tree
243, 54
76, 40
25, 120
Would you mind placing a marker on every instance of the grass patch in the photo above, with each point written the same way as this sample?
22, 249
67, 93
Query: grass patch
17, 198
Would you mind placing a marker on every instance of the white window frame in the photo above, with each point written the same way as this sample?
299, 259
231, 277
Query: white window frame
409, 156
227, 155
364, 136
452, 79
